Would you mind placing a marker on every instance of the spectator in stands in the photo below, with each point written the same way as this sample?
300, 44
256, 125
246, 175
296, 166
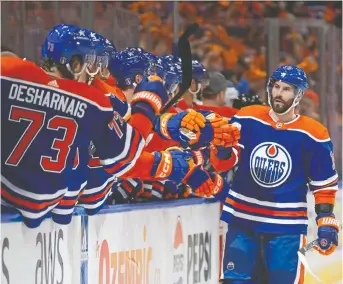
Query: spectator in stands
309, 105
214, 93
243, 85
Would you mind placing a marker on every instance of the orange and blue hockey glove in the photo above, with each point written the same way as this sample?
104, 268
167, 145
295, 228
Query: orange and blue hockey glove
172, 164
203, 183
224, 134
178, 126
328, 228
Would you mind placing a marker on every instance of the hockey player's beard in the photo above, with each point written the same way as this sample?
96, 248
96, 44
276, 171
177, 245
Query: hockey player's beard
281, 106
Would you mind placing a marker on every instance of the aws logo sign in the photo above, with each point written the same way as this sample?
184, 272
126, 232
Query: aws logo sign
270, 164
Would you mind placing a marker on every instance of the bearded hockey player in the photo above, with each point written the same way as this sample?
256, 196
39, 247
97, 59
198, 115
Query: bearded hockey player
283, 155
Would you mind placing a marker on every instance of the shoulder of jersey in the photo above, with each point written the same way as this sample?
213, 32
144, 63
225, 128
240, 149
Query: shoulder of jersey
256, 111
86, 92
16, 65
311, 127
106, 88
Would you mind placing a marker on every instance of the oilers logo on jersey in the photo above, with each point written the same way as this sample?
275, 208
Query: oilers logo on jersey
270, 164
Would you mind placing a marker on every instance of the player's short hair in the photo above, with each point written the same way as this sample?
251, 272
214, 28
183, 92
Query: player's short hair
50, 65
6, 51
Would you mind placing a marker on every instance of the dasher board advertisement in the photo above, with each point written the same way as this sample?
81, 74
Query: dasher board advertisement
177, 244
49, 254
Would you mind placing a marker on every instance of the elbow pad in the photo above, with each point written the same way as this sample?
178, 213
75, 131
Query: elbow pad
324, 208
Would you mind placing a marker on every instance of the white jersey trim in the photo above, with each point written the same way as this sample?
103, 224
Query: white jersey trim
267, 203
335, 188
97, 189
240, 145
133, 162
324, 182
96, 205
34, 216
236, 156
123, 154
35, 196
264, 219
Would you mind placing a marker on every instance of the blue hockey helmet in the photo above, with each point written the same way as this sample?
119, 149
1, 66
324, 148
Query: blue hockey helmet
201, 77
173, 72
292, 75
199, 72
156, 65
65, 41
127, 64
104, 49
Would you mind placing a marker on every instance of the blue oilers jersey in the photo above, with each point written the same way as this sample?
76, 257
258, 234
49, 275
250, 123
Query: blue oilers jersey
44, 122
279, 162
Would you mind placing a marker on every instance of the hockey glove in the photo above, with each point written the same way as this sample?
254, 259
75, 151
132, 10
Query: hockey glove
217, 131
178, 126
203, 183
121, 107
224, 134
328, 228
173, 164
149, 98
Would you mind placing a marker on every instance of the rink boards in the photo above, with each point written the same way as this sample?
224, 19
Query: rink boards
151, 243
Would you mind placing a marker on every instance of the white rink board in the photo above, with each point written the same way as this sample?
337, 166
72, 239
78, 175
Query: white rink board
155, 246
49, 254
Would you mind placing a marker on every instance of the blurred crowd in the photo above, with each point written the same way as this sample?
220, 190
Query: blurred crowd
237, 47
232, 42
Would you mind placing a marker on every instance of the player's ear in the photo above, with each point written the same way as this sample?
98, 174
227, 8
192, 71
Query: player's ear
221, 96
138, 78
76, 64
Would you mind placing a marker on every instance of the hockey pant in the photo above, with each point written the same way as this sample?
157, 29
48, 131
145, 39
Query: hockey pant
256, 258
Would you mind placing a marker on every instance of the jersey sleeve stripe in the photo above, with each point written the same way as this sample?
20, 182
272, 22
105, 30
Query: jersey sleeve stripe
324, 183
334, 188
93, 208
98, 196
135, 143
127, 167
95, 190
100, 103
124, 153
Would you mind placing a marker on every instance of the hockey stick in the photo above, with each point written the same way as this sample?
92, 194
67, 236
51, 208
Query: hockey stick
186, 65
302, 258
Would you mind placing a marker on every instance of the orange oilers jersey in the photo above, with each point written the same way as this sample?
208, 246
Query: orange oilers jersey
279, 163
107, 88
111, 81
